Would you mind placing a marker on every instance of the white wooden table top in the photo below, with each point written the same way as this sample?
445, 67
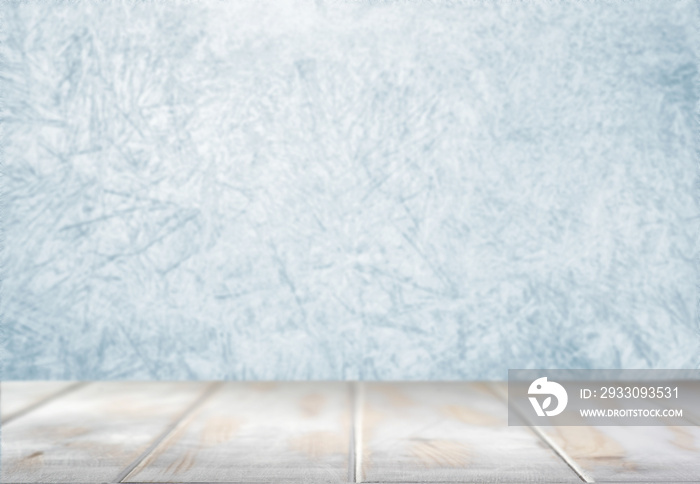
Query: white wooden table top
312, 432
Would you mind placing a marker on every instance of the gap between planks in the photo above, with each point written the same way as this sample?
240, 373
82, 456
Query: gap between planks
356, 397
356, 400
355, 461
206, 394
351, 447
568, 460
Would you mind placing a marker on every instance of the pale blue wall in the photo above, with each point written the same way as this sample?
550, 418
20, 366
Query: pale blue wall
344, 190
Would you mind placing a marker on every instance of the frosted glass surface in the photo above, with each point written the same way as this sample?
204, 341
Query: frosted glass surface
348, 190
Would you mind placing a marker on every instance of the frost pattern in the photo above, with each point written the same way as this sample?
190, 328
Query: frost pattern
348, 190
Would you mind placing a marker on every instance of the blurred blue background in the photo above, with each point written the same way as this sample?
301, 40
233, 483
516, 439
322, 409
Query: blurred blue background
348, 190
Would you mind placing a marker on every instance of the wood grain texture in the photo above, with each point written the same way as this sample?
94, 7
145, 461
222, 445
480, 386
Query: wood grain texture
628, 454
258, 432
18, 396
91, 434
301, 432
632, 454
448, 432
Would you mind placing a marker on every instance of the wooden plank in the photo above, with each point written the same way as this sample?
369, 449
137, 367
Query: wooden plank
258, 432
629, 454
91, 434
448, 432
632, 454
19, 396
